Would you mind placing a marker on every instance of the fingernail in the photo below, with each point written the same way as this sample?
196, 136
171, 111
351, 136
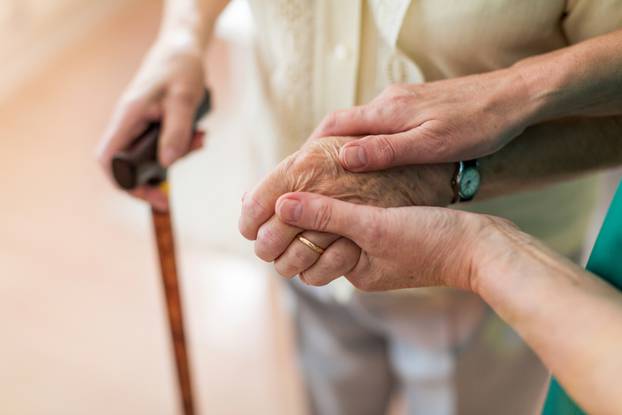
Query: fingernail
354, 157
290, 210
168, 155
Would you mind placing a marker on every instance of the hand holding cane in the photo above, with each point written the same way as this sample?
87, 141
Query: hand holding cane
136, 166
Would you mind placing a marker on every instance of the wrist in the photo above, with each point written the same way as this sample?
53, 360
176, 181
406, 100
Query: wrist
512, 271
189, 32
184, 41
495, 245
514, 97
474, 242
545, 80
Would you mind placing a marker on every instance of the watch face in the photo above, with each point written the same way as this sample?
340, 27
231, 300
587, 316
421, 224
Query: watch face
469, 183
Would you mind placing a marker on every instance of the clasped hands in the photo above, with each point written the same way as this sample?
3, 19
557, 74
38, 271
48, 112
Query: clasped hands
310, 194
345, 189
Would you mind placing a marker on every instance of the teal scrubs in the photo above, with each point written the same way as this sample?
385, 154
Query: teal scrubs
606, 262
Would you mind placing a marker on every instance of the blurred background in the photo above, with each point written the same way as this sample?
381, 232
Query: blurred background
82, 312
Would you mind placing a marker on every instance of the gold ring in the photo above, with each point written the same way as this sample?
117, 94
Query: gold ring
317, 249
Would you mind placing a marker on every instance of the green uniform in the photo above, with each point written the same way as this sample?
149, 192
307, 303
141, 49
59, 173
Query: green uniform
604, 262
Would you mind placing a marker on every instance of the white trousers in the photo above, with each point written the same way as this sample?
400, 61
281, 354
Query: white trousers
446, 351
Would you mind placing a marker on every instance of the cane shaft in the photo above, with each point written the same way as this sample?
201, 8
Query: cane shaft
168, 269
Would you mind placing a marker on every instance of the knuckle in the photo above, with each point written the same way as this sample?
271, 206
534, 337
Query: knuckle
251, 207
264, 246
385, 150
391, 91
292, 163
294, 169
322, 217
338, 259
295, 263
378, 112
301, 259
436, 143
394, 90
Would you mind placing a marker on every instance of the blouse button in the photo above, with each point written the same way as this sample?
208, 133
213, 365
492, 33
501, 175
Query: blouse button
341, 52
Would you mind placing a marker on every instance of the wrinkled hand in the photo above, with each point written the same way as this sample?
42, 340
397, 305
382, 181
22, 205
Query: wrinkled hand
315, 168
450, 120
404, 247
168, 87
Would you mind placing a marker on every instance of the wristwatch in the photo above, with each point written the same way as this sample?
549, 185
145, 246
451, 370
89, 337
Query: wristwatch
466, 181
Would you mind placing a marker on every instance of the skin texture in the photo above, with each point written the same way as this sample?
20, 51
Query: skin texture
315, 168
448, 120
548, 300
388, 239
543, 154
476, 115
580, 80
472, 116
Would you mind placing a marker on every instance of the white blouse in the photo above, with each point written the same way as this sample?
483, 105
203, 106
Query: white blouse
317, 56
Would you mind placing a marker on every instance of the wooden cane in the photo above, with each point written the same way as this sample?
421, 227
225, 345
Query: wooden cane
137, 166
165, 242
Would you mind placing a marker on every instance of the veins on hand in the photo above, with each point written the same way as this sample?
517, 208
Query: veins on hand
316, 168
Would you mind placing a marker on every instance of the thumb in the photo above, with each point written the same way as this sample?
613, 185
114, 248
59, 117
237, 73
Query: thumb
355, 121
320, 213
379, 152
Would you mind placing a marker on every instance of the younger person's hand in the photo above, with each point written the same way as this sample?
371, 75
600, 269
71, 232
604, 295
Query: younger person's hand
443, 121
404, 247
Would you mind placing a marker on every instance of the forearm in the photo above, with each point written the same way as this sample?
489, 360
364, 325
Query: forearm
584, 79
543, 154
190, 20
551, 152
564, 88
570, 318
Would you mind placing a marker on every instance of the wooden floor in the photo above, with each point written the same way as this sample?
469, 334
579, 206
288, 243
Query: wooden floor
81, 309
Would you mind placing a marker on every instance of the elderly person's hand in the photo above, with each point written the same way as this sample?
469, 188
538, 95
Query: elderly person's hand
449, 120
167, 88
315, 168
